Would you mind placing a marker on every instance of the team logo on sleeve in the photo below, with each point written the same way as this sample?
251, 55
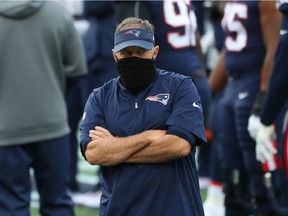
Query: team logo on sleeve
162, 98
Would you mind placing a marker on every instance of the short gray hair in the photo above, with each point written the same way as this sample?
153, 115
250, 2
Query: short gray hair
134, 22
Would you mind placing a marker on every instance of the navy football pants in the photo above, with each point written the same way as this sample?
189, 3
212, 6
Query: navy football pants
236, 147
50, 161
213, 122
204, 151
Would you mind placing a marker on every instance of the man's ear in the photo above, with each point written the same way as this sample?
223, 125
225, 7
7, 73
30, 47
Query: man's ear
155, 51
114, 55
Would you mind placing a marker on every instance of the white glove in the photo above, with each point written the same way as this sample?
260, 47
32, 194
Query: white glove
253, 125
265, 149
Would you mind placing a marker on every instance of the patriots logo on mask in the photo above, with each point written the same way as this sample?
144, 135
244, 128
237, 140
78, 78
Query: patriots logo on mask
162, 98
136, 33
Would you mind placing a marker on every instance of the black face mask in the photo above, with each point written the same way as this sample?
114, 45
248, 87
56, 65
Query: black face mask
136, 73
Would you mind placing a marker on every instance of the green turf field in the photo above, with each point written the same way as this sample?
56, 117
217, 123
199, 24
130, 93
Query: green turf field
82, 211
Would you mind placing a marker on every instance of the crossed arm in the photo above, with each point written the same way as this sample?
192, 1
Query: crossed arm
151, 146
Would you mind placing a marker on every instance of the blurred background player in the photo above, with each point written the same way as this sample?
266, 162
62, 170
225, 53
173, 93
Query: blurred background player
76, 95
274, 112
41, 57
251, 32
98, 43
177, 35
212, 44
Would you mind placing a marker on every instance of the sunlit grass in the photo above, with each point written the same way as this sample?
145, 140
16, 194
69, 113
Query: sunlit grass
79, 211
83, 211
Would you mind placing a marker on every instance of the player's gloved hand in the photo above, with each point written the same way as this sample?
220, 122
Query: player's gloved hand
264, 146
254, 119
253, 125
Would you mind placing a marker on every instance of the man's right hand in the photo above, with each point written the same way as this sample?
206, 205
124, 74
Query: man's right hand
253, 125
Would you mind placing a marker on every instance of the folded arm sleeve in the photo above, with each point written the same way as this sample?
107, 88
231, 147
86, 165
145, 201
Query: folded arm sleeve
182, 133
186, 119
92, 117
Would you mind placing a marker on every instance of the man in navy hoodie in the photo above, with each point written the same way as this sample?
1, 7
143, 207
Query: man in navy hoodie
142, 128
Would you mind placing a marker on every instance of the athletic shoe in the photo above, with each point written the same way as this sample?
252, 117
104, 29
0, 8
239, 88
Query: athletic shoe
204, 183
214, 203
89, 199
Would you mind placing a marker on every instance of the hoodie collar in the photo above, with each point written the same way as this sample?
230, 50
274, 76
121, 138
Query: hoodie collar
19, 9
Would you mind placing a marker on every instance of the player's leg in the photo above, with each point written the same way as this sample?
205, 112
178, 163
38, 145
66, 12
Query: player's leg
280, 65
261, 183
15, 187
281, 129
234, 181
95, 79
204, 151
214, 203
75, 112
51, 166
213, 121
285, 161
